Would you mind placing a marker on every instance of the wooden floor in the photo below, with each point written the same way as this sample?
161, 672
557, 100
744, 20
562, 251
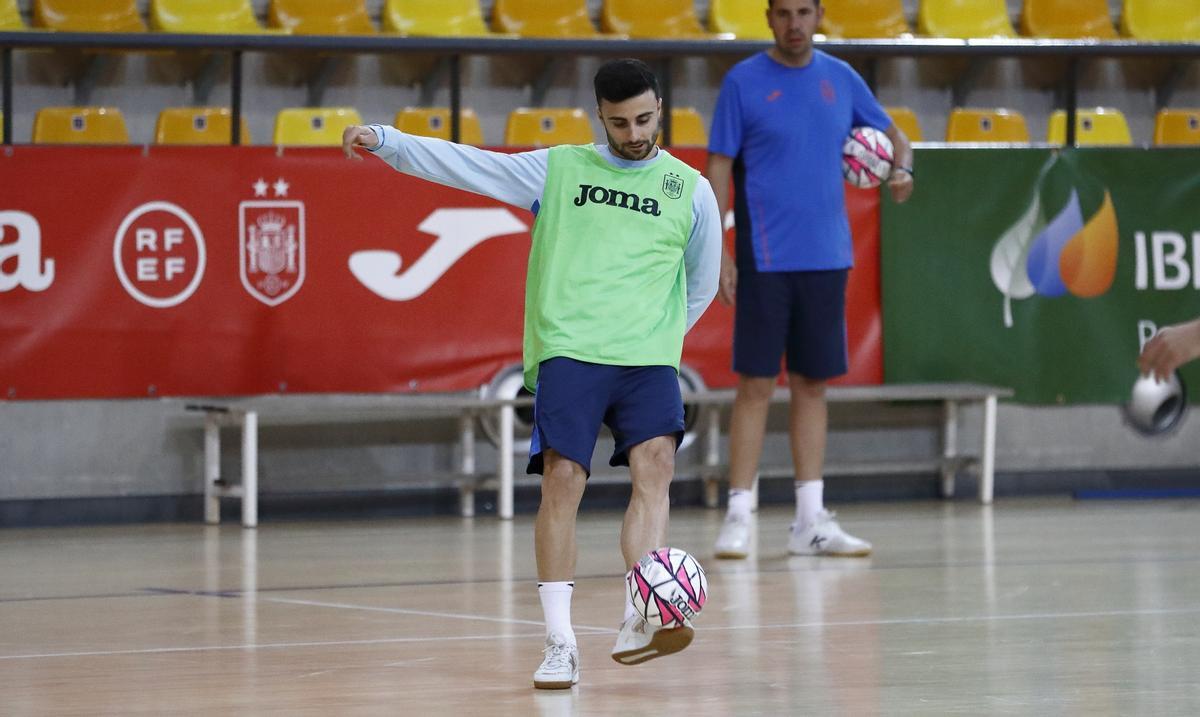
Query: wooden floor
1025, 608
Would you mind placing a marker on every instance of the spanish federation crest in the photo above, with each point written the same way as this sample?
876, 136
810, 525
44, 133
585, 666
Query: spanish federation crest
271, 249
673, 186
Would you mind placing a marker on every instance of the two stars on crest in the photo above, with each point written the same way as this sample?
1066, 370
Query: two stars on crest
280, 186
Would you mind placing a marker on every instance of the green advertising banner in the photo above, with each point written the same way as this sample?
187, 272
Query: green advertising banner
1040, 270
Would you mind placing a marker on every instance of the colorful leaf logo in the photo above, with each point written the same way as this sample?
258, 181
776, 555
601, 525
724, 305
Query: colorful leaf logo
1055, 255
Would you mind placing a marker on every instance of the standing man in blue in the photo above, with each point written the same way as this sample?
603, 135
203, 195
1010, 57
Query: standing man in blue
778, 129
625, 258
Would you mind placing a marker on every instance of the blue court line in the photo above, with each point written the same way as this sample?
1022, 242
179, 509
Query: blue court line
1137, 493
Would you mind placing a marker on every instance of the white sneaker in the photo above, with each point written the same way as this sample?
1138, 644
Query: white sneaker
639, 641
826, 537
560, 667
733, 542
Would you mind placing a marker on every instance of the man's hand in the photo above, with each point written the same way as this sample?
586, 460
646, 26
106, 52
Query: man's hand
727, 287
901, 184
358, 136
1170, 348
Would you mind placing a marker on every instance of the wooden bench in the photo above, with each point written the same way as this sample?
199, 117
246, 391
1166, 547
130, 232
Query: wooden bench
250, 412
951, 396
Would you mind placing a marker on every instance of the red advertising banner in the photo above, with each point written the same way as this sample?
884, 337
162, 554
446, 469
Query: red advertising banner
179, 271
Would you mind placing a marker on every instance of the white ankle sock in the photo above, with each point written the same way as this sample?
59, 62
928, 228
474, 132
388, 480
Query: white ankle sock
810, 501
556, 607
741, 502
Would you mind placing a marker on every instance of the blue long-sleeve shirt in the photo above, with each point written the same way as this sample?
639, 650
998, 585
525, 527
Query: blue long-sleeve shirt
520, 179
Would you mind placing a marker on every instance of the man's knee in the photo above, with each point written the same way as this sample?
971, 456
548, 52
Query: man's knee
756, 388
653, 464
563, 480
804, 387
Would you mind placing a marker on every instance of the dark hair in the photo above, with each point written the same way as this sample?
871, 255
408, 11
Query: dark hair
771, 3
618, 80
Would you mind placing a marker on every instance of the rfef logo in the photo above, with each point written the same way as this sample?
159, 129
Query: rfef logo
272, 249
158, 254
1069, 251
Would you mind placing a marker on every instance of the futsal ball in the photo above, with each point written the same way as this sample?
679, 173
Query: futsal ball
867, 157
1156, 407
668, 587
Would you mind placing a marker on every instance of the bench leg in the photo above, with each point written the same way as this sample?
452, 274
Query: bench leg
466, 492
712, 456
250, 469
949, 447
212, 469
988, 457
504, 501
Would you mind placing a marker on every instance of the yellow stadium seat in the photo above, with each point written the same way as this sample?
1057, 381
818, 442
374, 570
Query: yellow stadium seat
906, 120
313, 126
321, 17
435, 122
88, 15
687, 128
10, 16
543, 18
1162, 20
659, 19
1102, 125
1177, 126
856, 19
434, 18
964, 18
79, 125
986, 125
224, 17
197, 125
548, 126
1068, 19
744, 20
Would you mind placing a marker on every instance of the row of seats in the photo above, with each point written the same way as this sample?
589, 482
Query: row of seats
322, 126
544, 127
1151, 20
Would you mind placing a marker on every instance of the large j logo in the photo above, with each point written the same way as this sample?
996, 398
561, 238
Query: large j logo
458, 231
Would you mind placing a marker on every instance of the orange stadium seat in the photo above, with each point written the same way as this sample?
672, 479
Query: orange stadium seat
10, 16
856, 19
321, 17
435, 122
986, 125
313, 126
434, 18
687, 128
964, 18
1177, 126
88, 15
543, 18
907, 121
660, 19
548, 126
197, 125
1162, 20
1069, 19
223, 17
80, 125
1099, 126
744, 20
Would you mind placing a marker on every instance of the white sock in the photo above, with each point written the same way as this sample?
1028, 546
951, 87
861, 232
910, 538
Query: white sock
630, 610
741, 502
556, 607
810, 501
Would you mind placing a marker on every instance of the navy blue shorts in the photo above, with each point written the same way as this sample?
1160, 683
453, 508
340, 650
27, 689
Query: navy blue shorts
573, 398
800, 314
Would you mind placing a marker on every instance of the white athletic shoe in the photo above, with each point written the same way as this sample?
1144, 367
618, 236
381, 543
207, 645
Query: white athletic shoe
826, 537
639, 641
560, 667
733, 542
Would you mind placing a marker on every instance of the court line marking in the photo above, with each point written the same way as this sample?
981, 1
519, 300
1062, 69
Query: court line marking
794, 625
427, 613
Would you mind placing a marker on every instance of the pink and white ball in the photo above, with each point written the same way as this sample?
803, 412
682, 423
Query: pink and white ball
867, 157
668, 587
